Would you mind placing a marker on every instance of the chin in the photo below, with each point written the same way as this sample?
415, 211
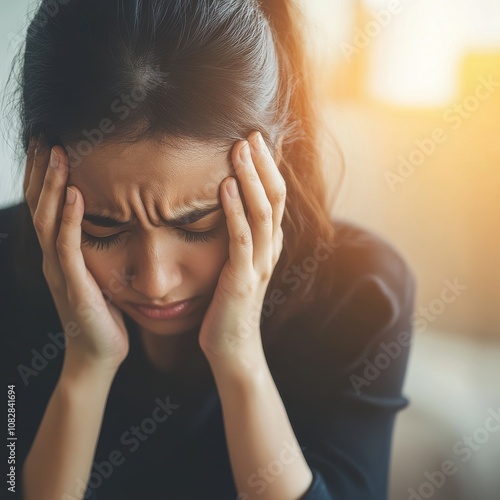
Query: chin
171, 329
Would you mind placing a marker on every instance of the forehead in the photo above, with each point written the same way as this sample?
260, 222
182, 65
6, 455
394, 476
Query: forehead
149, 169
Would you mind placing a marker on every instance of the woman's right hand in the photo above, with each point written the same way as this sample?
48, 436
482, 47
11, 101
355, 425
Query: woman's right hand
99, 338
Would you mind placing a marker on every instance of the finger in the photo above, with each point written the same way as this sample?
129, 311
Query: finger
240, 234
278, 243
48, 211
271, 177
69, 246
259, 208
29, 162
37, 175
274, 185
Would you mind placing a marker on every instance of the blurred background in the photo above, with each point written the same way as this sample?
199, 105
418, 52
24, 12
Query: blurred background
411, 91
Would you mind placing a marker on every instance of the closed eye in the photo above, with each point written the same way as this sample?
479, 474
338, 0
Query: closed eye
100, 242
105, 242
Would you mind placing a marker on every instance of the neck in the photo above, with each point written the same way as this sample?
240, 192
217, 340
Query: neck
179, 353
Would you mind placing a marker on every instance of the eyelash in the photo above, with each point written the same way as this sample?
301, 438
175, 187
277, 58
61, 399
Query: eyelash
106, 242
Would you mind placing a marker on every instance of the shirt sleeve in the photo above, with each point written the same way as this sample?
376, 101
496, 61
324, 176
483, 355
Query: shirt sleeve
348, 387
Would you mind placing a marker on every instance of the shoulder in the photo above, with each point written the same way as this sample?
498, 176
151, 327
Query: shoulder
372, 295
372, 283
368, 304
341, 365
21, 256
355, 271
362, 255
9, 218
29, 312
370, 286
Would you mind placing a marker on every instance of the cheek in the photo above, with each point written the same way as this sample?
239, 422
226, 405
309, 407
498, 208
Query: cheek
105, 267
207, 261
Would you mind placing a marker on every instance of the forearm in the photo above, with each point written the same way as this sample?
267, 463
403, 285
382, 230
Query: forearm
266, 458
61, 456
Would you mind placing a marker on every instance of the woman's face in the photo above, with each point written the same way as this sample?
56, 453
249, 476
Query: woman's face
145, 261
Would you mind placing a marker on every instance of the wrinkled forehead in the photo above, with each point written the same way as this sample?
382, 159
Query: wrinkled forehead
111, 172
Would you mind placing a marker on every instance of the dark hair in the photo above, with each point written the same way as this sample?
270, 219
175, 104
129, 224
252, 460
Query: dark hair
208, 70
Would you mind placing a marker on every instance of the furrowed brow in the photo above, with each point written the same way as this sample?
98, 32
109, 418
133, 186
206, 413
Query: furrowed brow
188, 216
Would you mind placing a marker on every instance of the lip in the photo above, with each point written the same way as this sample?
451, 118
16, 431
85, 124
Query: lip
177, 309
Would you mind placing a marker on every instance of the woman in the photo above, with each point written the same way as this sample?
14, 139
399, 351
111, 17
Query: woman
183, 318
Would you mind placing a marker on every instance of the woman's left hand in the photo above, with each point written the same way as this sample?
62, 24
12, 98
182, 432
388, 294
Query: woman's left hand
230, 332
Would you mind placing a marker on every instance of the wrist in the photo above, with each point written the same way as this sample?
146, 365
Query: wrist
80, 371
240, 366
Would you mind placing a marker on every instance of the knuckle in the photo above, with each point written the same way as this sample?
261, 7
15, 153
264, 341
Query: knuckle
265, 214
51, 181
280, 195
41, 224
265, 275
244, 237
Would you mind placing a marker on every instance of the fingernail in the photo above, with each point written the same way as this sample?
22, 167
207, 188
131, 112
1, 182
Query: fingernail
232, 189
70, 196
245, 153
54, 159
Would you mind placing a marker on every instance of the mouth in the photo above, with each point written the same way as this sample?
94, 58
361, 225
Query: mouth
176, 310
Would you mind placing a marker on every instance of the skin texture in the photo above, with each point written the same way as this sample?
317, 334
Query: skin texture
151, 263
148, 180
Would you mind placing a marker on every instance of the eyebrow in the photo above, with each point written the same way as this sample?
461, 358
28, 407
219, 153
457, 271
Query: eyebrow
186, 216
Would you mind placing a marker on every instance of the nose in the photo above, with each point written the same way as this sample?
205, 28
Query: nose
155, 272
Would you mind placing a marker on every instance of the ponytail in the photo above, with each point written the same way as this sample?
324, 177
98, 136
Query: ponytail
307, 222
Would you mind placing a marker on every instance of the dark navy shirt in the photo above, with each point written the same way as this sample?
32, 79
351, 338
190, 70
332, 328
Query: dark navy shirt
339, 369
